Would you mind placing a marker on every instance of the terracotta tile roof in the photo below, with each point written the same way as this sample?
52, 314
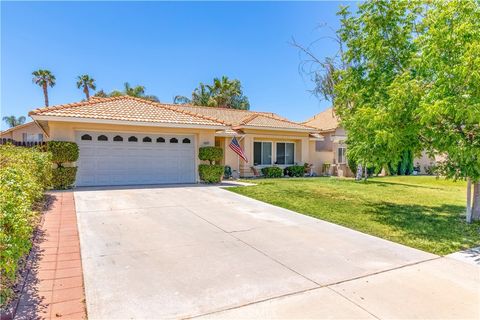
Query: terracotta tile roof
129, 109
245, 118
136, 109
324, 121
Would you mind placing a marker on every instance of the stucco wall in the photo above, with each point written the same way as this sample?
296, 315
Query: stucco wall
17, 133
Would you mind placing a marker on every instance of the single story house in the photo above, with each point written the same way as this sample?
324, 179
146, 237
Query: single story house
27, 132
127, 140
329, 154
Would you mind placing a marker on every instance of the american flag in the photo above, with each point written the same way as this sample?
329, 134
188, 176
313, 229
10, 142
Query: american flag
235, 146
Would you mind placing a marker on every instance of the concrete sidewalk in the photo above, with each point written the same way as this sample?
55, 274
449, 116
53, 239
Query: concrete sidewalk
199, 251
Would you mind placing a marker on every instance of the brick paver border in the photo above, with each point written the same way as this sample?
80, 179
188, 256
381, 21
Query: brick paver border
54, 286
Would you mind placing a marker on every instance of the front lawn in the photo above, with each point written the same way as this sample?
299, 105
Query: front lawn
420, 212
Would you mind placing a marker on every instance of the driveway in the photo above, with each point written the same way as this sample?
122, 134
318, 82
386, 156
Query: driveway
197, 251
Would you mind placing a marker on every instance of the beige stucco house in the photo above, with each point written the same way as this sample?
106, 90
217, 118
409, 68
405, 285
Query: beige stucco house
27, 132
127, 140
330, 154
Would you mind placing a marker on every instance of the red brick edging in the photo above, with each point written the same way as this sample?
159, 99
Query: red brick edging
54, 287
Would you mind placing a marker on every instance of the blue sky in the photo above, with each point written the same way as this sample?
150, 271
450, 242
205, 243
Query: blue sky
167, 47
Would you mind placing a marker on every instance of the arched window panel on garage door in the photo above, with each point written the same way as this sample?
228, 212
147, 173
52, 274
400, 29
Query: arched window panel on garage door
118, 138
132, 139
102, 138
86, 137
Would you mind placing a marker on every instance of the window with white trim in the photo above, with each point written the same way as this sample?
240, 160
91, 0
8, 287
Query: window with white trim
285, 153
262, 153
341, 155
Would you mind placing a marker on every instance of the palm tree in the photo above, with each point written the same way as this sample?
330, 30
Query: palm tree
13, 121
87, 83
44, 78
128, 90
223, 92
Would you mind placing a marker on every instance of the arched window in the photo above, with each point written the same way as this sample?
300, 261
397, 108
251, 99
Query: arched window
132, 139
102, 138
174, 140
186, 140
147, 139
160, 140
117, 138
86, 137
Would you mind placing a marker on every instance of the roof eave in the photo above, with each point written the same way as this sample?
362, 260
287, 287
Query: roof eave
126, 122
306, 130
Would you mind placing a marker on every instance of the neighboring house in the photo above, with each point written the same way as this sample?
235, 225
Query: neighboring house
127, 140
330, 154
27, 132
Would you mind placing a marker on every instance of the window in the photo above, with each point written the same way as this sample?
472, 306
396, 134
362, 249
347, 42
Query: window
341, 152
132, 139
147, 139
262, 153
40, 137
285, 153
117, 138
86, 137
160, 140
102, 138
174, 140
186, 140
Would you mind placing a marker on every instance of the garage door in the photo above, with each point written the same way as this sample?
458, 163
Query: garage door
125, 158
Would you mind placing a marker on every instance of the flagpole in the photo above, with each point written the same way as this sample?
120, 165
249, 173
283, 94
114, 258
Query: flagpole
238, 157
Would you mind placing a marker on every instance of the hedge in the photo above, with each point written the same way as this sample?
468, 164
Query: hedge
64, 177
272, 172
24, 174
210, 154
63, 151
210, 173
295, 171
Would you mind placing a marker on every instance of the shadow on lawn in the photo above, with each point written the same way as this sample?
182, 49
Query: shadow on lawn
30, 302
440, 224
388, 183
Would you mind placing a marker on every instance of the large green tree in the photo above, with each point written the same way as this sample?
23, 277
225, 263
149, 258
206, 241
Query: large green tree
136, 91
379, 47
86, 83
448, 73
13, 121
412, 83
44, 78
223, 92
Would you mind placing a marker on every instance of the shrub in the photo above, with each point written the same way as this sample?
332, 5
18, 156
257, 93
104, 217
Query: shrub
24, 174
63, 151
210, 154
295, 171
64, 177
210, 173
272, 172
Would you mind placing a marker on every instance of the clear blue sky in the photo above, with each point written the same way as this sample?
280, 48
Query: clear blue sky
167, 47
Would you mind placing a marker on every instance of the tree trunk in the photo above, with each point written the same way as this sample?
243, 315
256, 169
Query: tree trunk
87, 93
469, 200
366, 173
358, 177
45, 94
476, 201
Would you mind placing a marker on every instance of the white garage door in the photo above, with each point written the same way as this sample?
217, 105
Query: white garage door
124, 158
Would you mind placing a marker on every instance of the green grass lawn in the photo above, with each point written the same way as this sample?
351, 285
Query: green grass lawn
420, 212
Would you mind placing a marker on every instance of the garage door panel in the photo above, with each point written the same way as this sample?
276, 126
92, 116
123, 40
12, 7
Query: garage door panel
123, 162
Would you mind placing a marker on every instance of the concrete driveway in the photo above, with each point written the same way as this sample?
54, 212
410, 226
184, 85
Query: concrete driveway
196, 251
